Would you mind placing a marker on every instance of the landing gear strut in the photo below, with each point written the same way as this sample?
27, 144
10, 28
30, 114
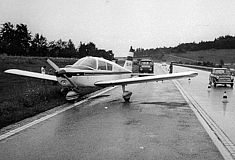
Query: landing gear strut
126, 94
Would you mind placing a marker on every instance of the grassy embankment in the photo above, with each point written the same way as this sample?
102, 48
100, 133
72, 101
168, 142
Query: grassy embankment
213, 55
23, 97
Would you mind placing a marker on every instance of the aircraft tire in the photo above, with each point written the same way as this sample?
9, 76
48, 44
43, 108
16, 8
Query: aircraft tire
127, 99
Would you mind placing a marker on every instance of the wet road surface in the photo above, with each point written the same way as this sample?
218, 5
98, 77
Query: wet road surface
212, 102
156, 124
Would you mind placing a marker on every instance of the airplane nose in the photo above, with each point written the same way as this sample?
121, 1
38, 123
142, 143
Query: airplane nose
60, 72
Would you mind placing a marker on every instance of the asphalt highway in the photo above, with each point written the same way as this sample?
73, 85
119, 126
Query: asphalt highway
156, 124
220, 111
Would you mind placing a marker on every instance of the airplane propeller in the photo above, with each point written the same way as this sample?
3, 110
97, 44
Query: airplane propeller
53, 65
63, 73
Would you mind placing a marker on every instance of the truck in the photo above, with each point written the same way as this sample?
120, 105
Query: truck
221, 76
146, 66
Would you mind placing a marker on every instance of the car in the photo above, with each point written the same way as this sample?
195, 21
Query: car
221, 76
146, 66
164, 64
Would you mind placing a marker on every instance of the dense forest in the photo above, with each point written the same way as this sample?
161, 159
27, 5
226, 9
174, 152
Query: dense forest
18, 41
223, 42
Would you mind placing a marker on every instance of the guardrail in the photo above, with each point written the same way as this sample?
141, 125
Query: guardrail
196, 67
202, 68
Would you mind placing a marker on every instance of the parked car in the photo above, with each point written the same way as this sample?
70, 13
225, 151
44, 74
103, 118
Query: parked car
221, 76
164, 64
146, 66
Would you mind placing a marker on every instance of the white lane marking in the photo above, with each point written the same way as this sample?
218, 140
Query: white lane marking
209, 125
17, 130
228, 152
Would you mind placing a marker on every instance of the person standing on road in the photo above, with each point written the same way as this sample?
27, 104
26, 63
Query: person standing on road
43, 70
171, 68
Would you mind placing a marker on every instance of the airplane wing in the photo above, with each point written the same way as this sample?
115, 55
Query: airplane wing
146, 79
31, 74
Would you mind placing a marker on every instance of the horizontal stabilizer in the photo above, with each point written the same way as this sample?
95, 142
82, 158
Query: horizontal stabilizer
31, 74
146, 79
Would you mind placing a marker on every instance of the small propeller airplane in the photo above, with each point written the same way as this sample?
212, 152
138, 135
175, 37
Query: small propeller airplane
95, 71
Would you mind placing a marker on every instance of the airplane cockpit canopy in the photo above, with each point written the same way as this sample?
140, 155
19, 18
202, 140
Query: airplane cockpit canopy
92, 63
88, 63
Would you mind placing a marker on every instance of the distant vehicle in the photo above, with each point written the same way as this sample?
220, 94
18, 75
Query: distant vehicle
221, 76
164, 64
146, 66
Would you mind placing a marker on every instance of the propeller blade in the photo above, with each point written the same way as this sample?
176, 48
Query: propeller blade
73, 84
62, 72
53, 65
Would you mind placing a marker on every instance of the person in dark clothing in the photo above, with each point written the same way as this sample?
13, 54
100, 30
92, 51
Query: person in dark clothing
171, 68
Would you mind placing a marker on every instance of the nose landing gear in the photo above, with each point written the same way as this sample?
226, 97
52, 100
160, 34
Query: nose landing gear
72, 96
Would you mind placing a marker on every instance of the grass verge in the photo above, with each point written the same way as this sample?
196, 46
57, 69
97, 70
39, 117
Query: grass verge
23, 97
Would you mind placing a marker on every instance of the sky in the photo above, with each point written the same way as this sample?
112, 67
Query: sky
118, 24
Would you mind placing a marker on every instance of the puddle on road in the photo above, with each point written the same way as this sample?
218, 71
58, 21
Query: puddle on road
100, 96
132, 122
115, 100
170, 105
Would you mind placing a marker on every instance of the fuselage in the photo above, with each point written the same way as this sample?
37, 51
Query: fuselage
90, 80
89, 70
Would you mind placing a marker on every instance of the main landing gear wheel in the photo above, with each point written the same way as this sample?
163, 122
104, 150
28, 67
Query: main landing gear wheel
126, 94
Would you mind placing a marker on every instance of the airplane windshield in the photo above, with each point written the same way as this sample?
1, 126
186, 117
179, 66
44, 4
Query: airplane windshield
85, 63
102, 65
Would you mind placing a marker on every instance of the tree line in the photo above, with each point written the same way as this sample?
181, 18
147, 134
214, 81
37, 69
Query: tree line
223, 42
18, 41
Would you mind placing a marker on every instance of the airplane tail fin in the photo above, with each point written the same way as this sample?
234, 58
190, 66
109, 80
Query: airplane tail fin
129, 61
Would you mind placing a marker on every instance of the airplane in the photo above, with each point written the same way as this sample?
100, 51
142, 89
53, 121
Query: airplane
95, 71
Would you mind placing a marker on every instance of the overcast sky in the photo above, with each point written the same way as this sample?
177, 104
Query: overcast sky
118, 24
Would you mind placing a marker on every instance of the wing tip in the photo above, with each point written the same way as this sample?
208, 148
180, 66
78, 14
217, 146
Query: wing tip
10, 70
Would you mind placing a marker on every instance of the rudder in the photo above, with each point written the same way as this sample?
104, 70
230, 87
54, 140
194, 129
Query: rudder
129, 61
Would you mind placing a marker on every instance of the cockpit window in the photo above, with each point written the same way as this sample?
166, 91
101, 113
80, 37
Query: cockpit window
85, 63
101, 65
109, 67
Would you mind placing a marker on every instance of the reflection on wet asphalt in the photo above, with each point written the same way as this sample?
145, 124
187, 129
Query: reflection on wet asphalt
211, 100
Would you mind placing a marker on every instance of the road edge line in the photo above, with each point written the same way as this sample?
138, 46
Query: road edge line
30, 124
227, 155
